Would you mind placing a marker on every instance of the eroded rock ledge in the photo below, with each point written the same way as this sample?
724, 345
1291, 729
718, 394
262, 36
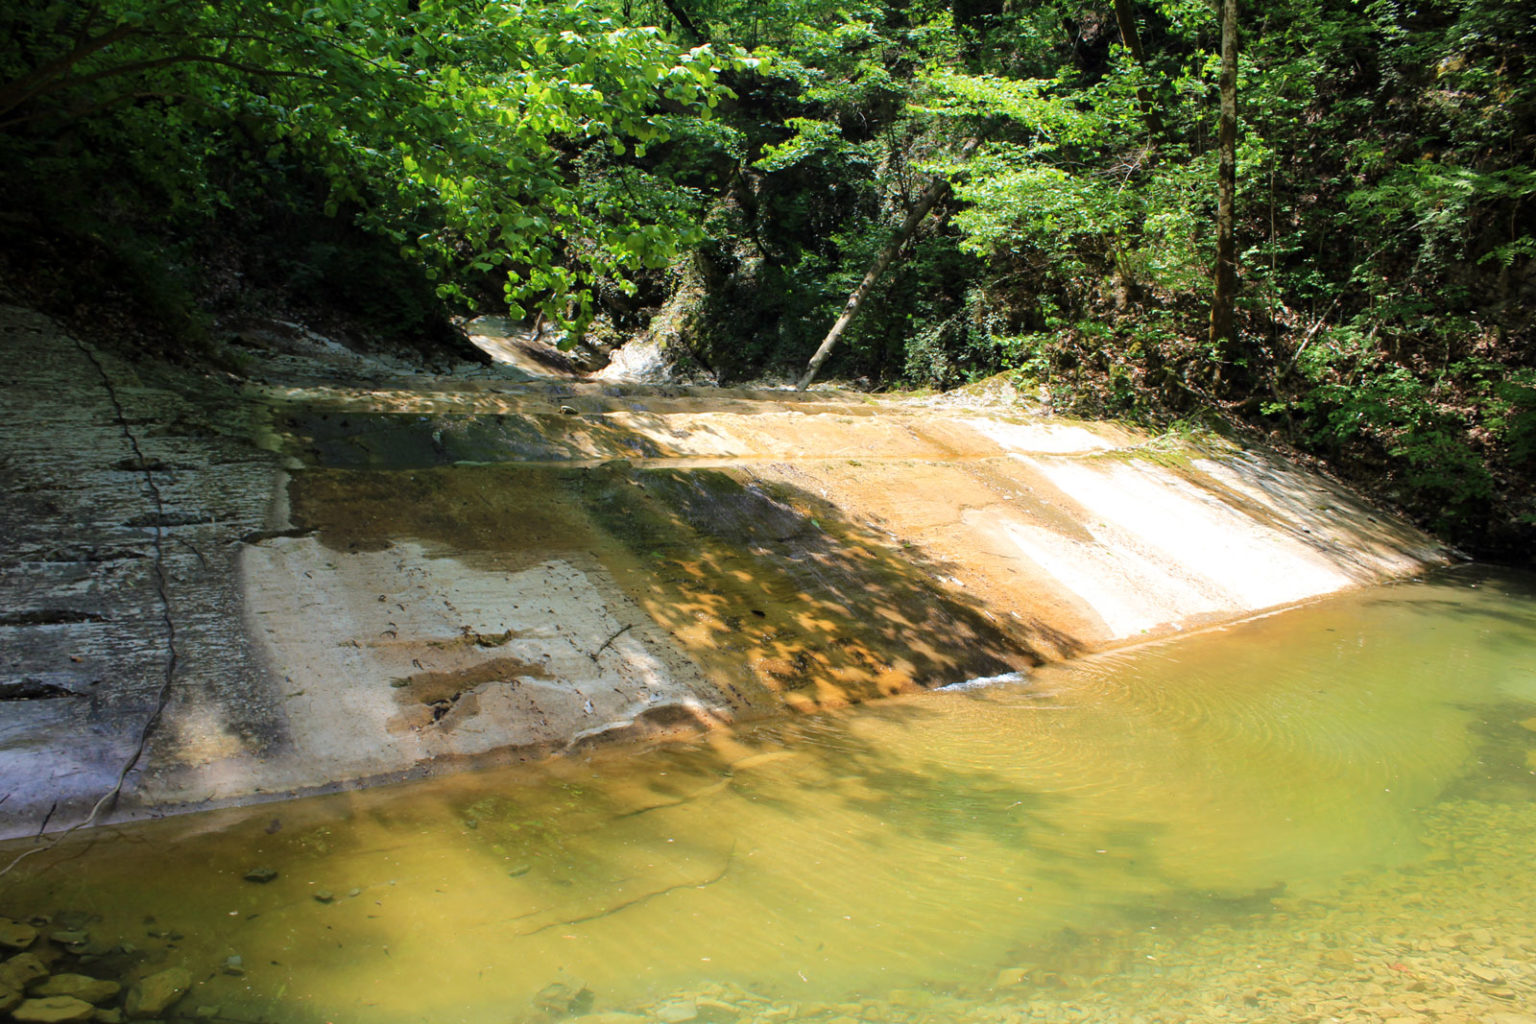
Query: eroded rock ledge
370, 573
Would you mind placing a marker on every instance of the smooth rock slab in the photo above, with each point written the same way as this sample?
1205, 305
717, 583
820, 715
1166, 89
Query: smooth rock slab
149, 996
53, 1010
79, 986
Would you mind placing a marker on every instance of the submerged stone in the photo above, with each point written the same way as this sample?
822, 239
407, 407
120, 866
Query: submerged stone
15, 935
79, 986
20, 972
677, 1012
53, 1010
151, 995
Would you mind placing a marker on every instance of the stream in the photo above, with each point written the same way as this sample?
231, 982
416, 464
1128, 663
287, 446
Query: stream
1327, 813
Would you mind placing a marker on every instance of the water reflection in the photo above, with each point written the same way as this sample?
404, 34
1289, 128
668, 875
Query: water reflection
1123, 823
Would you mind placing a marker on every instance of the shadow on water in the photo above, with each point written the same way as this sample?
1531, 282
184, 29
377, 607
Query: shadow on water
1502, 767
925, 841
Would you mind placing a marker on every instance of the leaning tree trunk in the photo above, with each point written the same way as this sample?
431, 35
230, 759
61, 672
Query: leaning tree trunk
1223, 319
925, 202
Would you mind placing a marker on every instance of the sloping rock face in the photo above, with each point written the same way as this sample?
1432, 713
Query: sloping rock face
338, 573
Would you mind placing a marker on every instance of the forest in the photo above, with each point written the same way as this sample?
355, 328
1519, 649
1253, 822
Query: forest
1307, 223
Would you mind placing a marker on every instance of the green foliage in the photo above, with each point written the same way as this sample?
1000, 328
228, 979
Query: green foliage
754, 158
452, 129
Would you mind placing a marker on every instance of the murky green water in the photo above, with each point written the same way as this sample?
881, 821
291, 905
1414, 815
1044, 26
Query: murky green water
1326, 813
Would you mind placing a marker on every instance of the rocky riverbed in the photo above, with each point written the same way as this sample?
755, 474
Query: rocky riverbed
1450, 939
1447, 939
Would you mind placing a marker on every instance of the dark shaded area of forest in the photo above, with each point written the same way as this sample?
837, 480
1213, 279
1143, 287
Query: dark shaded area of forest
724, 173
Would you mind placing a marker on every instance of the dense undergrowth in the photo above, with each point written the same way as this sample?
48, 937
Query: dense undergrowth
723, 174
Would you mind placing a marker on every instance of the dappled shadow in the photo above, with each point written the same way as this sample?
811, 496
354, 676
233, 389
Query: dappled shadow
777, 595
773, 588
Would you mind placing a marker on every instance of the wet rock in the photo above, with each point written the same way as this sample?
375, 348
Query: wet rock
560, 998
677, 1012
149, 996
1485, 975
15, 935
53, 1010
80, 987
260, 875
234, 966
70, 937
21, 971
9, 997
324, 896
1011, 977
716, 1011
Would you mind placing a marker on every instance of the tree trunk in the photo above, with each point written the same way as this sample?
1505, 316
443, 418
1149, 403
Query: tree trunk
1223, 319
925, 202
1125, 17
676, 10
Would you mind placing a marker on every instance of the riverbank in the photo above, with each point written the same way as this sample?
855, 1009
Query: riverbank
335, 570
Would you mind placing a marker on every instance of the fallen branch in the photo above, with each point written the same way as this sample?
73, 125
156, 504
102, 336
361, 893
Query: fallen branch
637, 901
610, 640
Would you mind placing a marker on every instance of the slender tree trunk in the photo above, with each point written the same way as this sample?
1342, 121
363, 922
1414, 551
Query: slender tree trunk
1125, 17
1223, 319
677, 11
932, 194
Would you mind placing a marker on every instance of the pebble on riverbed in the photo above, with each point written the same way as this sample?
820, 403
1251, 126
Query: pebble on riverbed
261, 875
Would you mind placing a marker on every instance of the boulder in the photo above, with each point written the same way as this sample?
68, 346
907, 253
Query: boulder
53, 1010
80, 986
151, 995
